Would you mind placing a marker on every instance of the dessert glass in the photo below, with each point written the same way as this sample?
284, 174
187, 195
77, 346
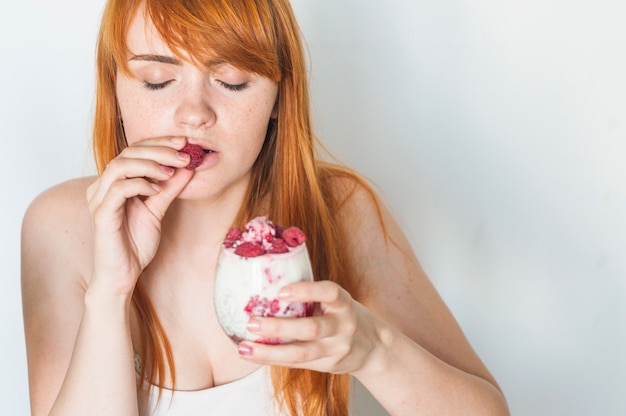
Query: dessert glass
249, 286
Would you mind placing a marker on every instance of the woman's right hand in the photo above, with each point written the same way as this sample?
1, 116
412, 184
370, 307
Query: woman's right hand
127, 203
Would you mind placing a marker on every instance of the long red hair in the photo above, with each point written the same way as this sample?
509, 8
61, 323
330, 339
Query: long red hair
259, 36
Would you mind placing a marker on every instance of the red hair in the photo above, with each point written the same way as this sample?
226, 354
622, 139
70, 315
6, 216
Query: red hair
263, 37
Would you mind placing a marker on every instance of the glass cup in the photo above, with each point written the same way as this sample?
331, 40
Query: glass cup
247, 287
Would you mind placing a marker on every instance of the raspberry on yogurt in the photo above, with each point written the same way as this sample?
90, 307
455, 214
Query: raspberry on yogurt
262, 236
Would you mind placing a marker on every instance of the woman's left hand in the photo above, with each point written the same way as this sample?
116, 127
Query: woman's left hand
339, 338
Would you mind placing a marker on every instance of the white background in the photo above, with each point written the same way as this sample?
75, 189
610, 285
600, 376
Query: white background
495, 130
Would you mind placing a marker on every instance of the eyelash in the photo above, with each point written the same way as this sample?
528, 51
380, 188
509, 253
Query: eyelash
231, 87
234, 87
155, 87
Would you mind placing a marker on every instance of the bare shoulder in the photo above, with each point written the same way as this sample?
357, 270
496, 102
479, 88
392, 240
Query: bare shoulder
56, 232
383, 267
358, 203
57, 221
61, 206
376, 243
59, 198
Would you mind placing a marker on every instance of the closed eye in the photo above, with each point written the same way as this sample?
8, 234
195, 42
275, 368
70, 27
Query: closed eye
159, 86
234, 87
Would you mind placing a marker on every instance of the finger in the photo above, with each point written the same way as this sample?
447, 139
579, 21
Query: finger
294, 355
121, 170
301, 329
175, 142
162, 153
119, 192
169, 190
325, 292
155, 163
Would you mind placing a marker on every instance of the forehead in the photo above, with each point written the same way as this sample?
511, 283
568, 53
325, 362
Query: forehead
201, 35
142, 36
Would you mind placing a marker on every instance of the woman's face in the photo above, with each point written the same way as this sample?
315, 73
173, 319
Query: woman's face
224, 109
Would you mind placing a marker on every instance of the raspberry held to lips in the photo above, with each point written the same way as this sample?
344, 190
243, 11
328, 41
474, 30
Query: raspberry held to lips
196, 154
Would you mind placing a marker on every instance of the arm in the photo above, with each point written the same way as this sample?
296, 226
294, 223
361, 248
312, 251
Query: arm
52, 293
396, 335
81, 259
74, 344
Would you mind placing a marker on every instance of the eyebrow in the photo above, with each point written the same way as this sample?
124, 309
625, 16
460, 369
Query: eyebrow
156, 58
213, 63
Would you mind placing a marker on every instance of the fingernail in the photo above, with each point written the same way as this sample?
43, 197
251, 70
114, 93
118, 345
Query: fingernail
245, 349
285, 292
182, 156
254, 325
167, 169
178, 140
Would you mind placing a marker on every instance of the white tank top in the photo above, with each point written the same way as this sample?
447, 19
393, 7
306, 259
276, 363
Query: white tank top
250, 395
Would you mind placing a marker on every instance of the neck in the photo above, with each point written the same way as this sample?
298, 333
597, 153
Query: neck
191, 235
192, 223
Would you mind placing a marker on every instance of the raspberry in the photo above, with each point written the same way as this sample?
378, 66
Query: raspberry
196, 155
262, 236
293, 236
248, 249
278, 246
233, 235
258, 306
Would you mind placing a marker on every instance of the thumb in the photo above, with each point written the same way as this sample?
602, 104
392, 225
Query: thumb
170, 189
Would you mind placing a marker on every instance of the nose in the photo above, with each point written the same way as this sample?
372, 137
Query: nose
194, 110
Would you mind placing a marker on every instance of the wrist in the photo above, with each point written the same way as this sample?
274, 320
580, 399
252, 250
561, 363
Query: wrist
109, 285
96, 296
378, 360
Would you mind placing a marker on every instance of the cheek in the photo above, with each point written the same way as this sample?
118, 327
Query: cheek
255, 122
127, 108
134, 124
258, 113
137, 111
248, 130
138, 117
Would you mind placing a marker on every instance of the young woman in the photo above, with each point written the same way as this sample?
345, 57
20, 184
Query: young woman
118, 269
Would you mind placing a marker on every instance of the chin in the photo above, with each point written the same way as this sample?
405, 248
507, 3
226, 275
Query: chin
196, 190
205, 189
